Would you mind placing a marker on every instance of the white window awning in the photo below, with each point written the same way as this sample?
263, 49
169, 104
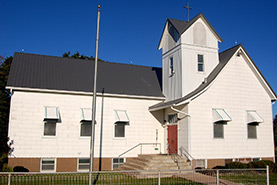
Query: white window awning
86, 114
253, 117
122, 116
220, 115
51, 113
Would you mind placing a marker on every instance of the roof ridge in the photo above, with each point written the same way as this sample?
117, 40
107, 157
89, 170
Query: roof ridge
230, 48
178, 20
136, 65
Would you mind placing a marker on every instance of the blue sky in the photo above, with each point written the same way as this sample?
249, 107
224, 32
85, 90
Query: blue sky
130, 29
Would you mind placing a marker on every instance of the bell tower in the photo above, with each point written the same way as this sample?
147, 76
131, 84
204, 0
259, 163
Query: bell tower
189, 54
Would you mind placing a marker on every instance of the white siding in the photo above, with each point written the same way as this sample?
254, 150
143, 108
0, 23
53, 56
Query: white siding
190, 75
236, 89
172, 84
26, 125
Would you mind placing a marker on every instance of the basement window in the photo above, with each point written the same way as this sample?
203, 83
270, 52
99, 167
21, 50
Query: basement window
48, 165
117, 162
83, 164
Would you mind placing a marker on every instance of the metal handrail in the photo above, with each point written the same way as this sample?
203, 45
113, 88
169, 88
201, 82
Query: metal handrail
140, 144
175, 157
187, 155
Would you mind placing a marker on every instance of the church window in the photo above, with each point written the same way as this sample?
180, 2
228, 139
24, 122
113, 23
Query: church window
122, 119
85, 128
219, 129
171, 67
51, 118
86, 122
252, 131
200, 63
119, 129
253, 120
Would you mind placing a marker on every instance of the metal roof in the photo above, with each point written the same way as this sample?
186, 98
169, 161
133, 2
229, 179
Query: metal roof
68, 74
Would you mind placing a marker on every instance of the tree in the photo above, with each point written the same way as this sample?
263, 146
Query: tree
5, 65
77, 55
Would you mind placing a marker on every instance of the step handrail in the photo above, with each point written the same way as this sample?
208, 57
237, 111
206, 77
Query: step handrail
185, 153
175, 157
140, 144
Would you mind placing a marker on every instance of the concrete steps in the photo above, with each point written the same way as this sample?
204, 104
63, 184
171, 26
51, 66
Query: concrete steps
154, 162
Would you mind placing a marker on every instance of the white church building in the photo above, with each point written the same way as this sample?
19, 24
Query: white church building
212, 107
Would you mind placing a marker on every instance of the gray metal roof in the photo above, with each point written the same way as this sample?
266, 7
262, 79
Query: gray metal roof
68, 74
224, 57
182, 26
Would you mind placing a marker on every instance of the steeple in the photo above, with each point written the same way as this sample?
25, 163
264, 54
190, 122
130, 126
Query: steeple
189, 52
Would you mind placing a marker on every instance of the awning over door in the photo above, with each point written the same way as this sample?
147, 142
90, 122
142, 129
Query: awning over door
253, 117
51, 114
220, 115
122, 116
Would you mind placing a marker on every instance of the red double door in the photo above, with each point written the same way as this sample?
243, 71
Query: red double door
172, 138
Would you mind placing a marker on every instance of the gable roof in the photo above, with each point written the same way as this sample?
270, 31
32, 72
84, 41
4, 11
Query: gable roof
68, 74
182, 26
224, 58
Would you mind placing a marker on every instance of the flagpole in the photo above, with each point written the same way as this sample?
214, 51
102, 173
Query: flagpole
94, 102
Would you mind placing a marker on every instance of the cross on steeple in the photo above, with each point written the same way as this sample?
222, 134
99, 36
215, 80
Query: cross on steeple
188, 8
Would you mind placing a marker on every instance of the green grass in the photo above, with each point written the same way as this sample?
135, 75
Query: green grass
82, 179
123, 179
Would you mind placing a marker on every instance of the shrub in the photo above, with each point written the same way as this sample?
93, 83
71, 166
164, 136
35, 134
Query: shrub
6, 168
234, 165
219, 167
260, 164
20, 169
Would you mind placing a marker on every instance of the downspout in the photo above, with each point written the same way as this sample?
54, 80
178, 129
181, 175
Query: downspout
187, 115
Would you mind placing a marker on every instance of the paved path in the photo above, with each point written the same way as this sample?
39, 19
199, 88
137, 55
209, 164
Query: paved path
205, 179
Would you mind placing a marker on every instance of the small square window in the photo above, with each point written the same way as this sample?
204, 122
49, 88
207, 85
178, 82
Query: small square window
172, 118
47, 165
83, 164
117, 162
85, 128
200, 63
49, 129
252, 131
119, 129
218, 130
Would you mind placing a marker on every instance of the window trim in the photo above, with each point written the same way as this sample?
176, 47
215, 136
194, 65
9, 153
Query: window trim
203, 63
222, 130
80, 127
256, 130
173, 114
78, 163
124, 130
49, 136
48, 159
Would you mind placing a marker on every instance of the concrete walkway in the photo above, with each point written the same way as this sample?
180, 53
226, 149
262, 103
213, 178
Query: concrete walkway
205, 179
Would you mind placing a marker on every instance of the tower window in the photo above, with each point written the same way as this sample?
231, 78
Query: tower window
171, 70
200, 63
